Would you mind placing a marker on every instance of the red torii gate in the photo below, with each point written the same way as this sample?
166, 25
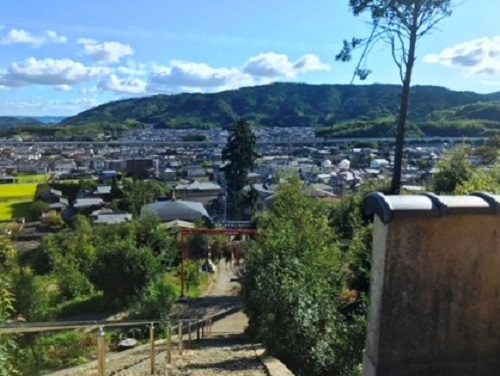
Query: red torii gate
215, 231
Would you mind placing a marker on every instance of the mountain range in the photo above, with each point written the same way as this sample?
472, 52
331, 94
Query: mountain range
335, 110
26, 121
293, 104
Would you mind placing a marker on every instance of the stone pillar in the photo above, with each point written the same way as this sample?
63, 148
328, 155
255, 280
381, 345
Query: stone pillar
435, 286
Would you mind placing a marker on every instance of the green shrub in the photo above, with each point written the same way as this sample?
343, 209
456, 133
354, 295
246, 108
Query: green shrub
59, 350
7, 345
80, 305
156, 300
121, 270
297, 292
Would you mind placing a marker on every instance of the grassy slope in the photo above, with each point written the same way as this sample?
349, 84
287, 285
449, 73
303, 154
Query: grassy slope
32, 178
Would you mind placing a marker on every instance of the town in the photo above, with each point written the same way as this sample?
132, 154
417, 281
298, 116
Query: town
193, 172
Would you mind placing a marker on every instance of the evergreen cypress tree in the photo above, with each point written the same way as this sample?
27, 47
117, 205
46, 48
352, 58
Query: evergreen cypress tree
240, 155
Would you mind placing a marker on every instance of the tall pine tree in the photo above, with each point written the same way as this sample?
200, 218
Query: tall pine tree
401, 24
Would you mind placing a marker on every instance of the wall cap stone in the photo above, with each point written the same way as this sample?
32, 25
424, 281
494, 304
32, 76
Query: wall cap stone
273, 366
430, 205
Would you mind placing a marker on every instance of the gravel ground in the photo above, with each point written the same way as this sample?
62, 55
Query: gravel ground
225, 352
221, 355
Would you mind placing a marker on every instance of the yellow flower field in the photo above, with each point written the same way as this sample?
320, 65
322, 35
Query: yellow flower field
15, 200
17, 190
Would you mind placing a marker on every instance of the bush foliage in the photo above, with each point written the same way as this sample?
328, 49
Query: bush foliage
298, 288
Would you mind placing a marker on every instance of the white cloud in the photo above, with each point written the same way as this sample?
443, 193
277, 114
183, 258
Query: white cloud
17, 36
86, 41
53, 37
132, 68
181, 76
131, 71
48, 72
271, 64
88, 90
63, 87
477, 57
127, 78
122, 85
38, 107
309, 63
105, 52
189, 76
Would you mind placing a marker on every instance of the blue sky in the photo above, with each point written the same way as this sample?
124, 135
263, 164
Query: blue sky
59, 57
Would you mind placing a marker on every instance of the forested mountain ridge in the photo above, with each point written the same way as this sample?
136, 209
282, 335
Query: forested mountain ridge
29, 121
479, 119
50, 119
279, 104
15, 121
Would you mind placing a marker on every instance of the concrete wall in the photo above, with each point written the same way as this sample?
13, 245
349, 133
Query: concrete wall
435, 297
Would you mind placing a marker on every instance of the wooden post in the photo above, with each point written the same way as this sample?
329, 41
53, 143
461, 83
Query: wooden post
169, 344
152, 343
101, 352
203, 330
197, 331
189, 334
180, 337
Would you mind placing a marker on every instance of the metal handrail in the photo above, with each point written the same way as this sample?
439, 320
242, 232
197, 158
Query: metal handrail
31, 327
202, 326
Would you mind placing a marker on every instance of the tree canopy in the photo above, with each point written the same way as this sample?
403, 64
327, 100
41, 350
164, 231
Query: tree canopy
457, 175
240, 155
300, 280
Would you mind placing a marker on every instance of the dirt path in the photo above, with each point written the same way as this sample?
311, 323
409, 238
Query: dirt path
221, 296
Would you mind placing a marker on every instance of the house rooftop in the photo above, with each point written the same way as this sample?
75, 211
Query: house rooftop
175, 210
87, 202
198, 186
111, 218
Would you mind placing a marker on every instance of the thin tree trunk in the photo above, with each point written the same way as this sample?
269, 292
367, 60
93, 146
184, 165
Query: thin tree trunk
403, 115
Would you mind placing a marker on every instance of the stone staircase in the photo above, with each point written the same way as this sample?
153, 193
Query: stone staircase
225, 350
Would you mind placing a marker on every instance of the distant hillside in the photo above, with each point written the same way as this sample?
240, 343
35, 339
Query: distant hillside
478, 110
17, 121
50, 119
480, 119
280, 104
